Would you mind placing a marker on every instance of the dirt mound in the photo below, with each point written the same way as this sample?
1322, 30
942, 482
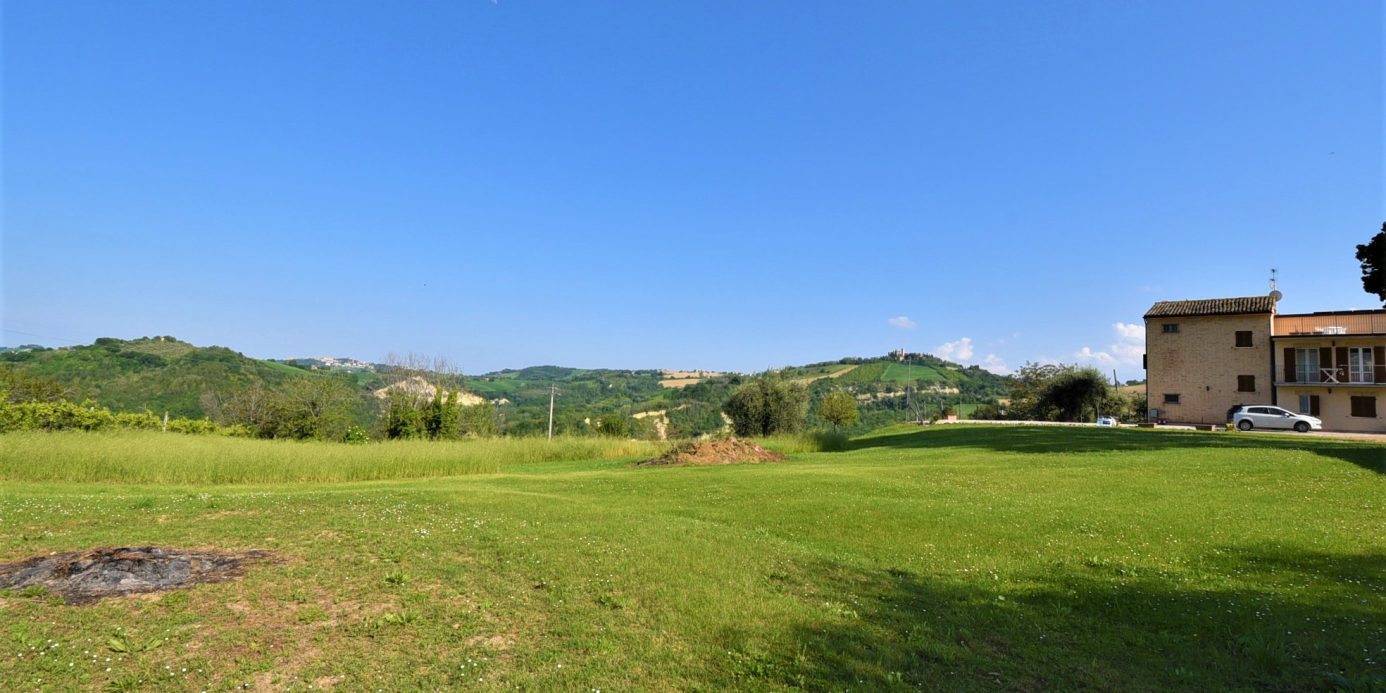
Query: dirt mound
86, 576
728, 451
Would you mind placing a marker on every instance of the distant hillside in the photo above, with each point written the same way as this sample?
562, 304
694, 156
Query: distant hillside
166, 374
156, 373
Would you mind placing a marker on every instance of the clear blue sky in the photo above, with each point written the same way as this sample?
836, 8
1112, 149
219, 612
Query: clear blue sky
722, 185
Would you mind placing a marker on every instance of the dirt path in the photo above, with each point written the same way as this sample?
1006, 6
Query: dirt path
834, 374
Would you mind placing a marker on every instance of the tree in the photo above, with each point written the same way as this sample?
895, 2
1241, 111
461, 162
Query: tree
839, 408
1059, 392
478, 420
1068, 394
766, 405
312, 407
1372, 255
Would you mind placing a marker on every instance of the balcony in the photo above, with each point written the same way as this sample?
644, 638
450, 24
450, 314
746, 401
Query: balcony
1331, 324
1333, 377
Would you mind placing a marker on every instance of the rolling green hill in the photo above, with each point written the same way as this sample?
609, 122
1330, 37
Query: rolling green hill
166, 374
155, 373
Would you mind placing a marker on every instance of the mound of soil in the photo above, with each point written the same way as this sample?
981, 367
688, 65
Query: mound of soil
728, 451
86, 576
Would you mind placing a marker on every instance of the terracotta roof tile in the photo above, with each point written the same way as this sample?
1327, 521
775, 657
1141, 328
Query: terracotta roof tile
1212, 306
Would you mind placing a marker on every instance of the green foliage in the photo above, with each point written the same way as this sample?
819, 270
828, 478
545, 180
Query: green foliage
155, 373
839, 408
1071, 393
1060, 392
767, 405
479, 420
21, 386
404, 418
356, 434
64, 415
1372, 255
613, 426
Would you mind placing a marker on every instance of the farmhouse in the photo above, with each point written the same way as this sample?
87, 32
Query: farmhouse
1204, 356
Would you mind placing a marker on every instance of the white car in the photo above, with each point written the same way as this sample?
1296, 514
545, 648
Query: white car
1106, 421
1265, 416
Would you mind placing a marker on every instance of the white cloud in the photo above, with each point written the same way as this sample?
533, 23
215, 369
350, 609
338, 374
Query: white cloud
958, 351
1125, 351
963, 350
995, 364
903, 323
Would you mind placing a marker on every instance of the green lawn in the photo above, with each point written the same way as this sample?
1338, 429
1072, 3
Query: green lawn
956, 558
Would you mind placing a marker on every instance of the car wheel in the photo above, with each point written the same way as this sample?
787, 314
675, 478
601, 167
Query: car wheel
1302, 426
1244, 424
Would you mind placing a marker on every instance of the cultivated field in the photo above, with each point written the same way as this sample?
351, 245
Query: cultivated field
959, 558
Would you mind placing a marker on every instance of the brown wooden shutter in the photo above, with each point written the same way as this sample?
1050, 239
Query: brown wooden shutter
1342, 364
1313, 405
1369, 406
1289, 365
1379, 363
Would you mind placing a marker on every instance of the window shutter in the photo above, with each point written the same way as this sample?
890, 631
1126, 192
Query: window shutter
1326, 361
1342, 364
1289, 365
1379, 363
1313, 405
1369, 407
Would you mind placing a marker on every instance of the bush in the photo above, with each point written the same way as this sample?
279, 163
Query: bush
54, 416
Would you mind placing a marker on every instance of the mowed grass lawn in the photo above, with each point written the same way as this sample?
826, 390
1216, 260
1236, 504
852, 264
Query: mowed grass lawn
955, 558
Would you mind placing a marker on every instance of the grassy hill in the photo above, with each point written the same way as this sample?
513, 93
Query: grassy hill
167, 374
155, 373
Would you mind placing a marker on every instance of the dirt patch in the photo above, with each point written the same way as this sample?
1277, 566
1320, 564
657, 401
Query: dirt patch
729, 451
86, 576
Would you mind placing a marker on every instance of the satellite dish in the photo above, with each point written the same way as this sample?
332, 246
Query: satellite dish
1276, 295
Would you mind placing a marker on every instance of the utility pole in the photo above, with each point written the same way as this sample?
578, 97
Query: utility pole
909, 381
553, 390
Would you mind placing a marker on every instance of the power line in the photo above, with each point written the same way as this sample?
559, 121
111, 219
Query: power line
40, 336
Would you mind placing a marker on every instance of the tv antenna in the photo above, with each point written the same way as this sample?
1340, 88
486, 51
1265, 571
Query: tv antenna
1274, 292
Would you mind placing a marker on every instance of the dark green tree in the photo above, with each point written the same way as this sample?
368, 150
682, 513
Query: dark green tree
403, 416
766, 405
1372, 255
1070, 394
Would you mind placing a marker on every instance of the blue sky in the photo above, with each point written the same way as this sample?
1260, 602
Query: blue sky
720, 185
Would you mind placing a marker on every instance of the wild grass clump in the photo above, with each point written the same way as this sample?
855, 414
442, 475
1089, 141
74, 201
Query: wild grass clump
141, 457
807, 441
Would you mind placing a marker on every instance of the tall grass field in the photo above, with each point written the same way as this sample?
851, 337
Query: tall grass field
950, 558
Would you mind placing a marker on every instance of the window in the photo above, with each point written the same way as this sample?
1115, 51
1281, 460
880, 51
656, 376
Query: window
1244, 338
1364, 407
1169, 327
1306, 365
1171, 399
1246, 383
1309, 404
1360, 365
